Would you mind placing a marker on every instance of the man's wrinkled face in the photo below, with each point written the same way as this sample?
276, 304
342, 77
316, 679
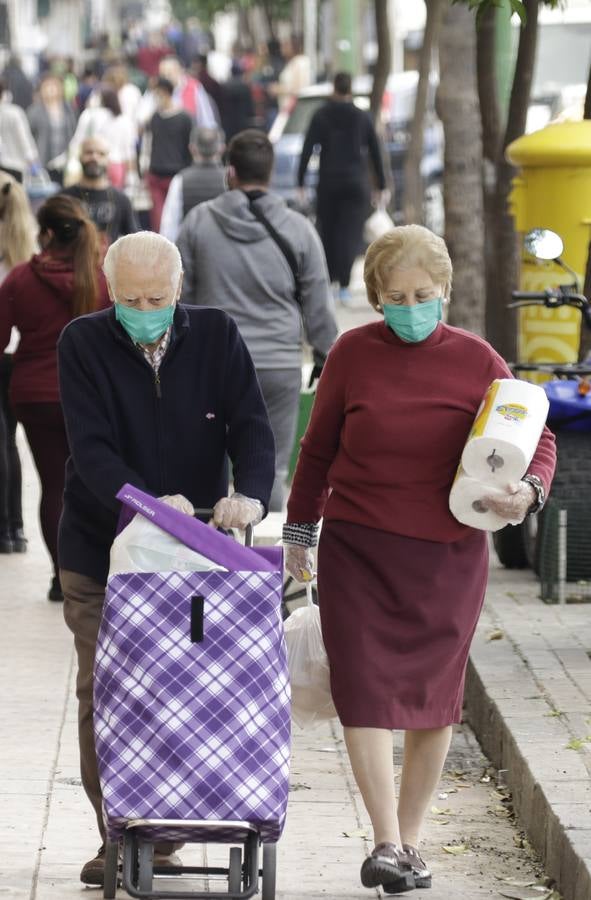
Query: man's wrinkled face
94, 158
144, 287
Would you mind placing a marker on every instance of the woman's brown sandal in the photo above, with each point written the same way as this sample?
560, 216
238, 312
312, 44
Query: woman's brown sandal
388, 866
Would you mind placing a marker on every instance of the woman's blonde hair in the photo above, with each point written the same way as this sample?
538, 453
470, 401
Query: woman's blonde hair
406, 247
18, 228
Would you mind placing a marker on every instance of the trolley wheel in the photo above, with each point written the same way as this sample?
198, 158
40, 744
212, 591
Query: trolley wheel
111, 870
269, 871
145, 866
235, 871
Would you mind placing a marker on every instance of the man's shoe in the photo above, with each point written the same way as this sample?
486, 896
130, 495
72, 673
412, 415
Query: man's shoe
387, 866
93, 872
6, 545
55, 590
420, 872
19, 541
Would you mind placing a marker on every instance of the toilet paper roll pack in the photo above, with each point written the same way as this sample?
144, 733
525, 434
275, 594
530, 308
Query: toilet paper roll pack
465, 503
506, 432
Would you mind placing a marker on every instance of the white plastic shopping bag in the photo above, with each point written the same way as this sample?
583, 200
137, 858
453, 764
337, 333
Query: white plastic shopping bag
379, 223
309, 673
144, 547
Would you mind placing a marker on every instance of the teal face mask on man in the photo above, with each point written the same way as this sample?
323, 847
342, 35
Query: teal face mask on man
144, 327
414, 323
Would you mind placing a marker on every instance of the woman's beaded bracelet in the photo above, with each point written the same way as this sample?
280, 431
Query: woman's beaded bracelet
305, 534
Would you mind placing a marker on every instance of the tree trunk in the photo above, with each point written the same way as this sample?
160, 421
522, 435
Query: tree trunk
413, 182
384, 60
502, 332
487, 84
491, 140
586, 332
587, 107
457, 102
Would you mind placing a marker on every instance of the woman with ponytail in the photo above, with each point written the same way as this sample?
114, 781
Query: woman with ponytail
18, 232
39, 298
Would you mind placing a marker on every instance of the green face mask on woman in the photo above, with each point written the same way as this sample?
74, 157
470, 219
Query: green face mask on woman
414, 323
144, 327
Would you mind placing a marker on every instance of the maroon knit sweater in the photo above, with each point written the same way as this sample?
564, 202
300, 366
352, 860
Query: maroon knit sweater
388, 427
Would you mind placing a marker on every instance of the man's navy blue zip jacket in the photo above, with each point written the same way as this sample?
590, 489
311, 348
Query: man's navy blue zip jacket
166, 434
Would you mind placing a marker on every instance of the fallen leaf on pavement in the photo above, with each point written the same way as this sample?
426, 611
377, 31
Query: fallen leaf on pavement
515, 882
578, 743
455, 849
437, 811
495, 635
528, 893
357, 832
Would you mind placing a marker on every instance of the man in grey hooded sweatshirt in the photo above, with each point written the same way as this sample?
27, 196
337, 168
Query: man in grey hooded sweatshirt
273, 281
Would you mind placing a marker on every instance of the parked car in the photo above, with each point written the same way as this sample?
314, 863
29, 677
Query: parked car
289, 130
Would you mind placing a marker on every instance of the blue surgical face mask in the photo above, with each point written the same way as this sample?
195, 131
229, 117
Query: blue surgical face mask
144, 327
414, 323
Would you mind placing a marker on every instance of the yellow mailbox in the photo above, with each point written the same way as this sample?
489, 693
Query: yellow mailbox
552, 190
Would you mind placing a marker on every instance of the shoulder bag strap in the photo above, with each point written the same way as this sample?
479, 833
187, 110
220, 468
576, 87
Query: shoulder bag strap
283, 245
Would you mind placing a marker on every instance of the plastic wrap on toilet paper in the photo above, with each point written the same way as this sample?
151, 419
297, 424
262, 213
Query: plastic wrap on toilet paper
506, 432
465, 503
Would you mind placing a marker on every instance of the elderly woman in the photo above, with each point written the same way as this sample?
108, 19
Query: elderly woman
157, 395
400, 581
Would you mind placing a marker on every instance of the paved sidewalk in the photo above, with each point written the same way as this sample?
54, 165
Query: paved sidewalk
47, 828
529, 701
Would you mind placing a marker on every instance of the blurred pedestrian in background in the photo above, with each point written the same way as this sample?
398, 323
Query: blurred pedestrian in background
205, 179
237, 111
109, 208
18, 231
39, 298
18, 151
400, 581
200, 71
189, 94
19, 84
53, 123
231, 260
295, 75
347, 138
103, 118
128, 94
168, 137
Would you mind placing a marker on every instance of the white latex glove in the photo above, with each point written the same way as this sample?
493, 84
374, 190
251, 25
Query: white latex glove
177, 501
299, 562
515, 504
236, 511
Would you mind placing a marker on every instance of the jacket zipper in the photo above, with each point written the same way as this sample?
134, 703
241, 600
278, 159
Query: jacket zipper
157, 385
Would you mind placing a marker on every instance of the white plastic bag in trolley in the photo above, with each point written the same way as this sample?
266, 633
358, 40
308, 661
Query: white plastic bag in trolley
143, 547
309, 673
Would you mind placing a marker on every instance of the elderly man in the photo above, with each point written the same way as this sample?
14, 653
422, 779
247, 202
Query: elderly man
157, 395
263, 263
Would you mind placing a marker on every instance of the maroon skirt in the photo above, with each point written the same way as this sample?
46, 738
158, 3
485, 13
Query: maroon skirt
398, 615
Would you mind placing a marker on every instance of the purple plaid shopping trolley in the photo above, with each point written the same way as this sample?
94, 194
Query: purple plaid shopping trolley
191, 709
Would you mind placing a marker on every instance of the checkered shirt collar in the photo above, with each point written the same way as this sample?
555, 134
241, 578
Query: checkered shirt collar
155, 357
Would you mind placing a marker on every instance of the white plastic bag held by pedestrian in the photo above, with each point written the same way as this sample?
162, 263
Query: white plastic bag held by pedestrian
309, 674
143, 547
379, 223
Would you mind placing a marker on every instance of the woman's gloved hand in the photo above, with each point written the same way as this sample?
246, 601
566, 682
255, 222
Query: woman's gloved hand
516, 503
299, 562
237, 511
177, 501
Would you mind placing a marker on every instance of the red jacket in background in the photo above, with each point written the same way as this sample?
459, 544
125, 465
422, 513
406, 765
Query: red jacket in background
35, 298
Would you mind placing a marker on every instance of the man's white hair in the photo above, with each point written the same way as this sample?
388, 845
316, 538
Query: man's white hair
146, 250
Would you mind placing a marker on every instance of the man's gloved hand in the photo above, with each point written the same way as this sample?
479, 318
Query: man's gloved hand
177, 501
299, 562
237, 511
515, 505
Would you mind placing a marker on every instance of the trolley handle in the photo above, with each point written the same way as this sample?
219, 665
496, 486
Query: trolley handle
207, 513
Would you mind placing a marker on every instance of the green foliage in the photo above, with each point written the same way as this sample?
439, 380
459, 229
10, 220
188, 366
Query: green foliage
206, 9
517, 6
